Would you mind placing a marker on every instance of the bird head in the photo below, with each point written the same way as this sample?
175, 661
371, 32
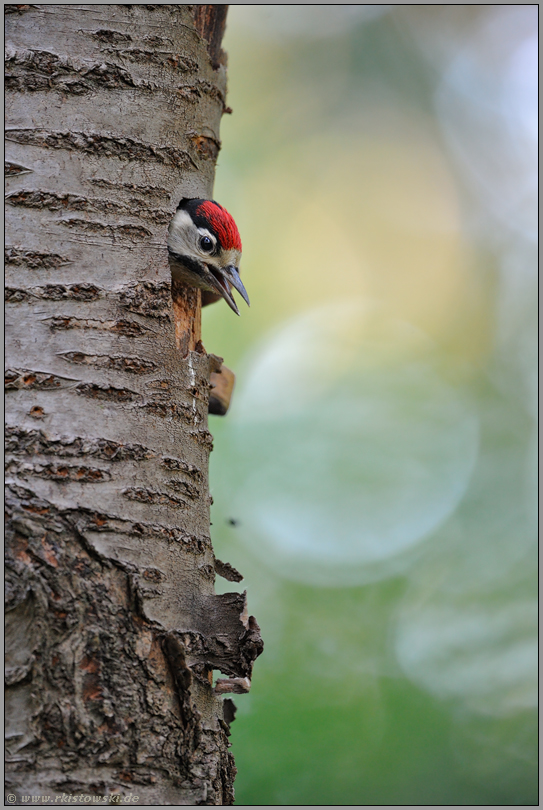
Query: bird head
205, 249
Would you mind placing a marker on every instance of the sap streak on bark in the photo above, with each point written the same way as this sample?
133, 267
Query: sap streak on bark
113, 624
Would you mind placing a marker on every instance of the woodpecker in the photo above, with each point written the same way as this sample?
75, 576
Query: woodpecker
205, 250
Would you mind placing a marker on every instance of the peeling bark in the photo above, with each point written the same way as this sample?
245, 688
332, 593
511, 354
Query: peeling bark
113, 625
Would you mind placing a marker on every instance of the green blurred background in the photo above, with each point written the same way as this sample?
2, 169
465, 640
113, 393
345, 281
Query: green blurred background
375, 479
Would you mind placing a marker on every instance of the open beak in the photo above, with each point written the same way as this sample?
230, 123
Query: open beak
225, 278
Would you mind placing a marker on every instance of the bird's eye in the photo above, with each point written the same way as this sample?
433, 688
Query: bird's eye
206, 244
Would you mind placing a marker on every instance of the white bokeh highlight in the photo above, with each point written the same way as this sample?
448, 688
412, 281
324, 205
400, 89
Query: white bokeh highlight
350, 446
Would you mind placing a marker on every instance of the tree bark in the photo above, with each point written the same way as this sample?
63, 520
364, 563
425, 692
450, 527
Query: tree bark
113, 625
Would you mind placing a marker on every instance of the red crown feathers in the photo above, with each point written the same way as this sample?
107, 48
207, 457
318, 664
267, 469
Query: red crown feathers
221, 223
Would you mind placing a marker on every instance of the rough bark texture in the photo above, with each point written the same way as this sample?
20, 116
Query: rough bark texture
113, 625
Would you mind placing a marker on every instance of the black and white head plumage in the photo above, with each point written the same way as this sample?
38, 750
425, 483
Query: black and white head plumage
205, 249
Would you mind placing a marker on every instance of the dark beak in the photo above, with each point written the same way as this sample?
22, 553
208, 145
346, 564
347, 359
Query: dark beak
233, 277
228, 277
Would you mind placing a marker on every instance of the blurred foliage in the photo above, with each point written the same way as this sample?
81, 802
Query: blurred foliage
375, 480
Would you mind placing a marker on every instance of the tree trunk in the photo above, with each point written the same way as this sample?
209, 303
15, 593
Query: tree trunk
113, 626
